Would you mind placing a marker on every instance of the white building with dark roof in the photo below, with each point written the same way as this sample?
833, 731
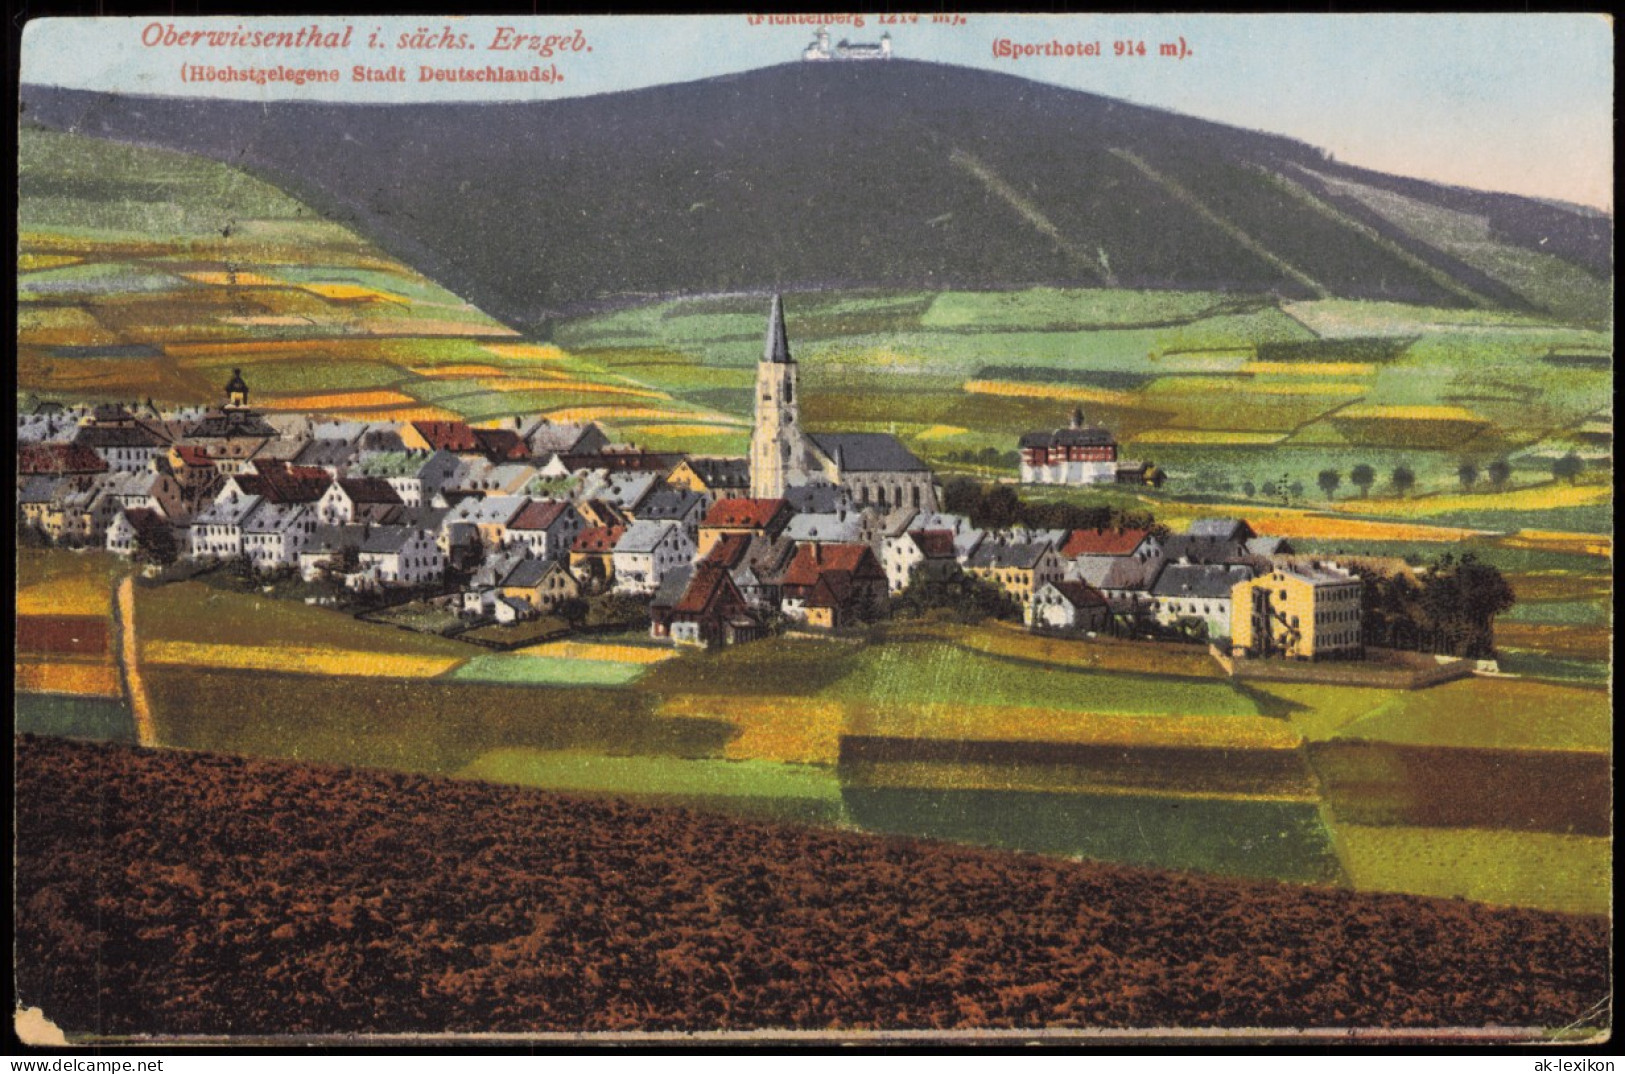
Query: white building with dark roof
646, 551
1076, 455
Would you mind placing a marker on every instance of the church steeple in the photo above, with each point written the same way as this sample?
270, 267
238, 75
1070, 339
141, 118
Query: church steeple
778, 343
778, 451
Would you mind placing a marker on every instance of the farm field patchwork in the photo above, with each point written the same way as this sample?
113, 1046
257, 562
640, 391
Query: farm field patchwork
921, 712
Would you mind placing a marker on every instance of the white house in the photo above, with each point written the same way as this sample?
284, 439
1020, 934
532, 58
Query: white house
275, 533
217, 530
646, 551
400, 556
1067, 605
931, 551
546, 527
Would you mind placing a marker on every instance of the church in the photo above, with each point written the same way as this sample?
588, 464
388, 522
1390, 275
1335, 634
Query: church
873, 469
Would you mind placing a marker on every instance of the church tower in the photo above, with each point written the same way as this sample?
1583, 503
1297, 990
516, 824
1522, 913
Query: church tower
236, 391
778, 450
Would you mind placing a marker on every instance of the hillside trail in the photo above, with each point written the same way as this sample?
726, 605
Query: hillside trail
146, 732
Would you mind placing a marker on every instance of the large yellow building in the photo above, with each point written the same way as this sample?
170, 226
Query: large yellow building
1301, 613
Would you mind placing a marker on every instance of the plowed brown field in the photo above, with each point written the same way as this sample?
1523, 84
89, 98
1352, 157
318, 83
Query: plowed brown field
168, 892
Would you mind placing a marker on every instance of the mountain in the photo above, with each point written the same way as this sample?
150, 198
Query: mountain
896, 174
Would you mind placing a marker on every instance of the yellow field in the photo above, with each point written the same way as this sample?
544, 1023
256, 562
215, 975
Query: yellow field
454, 371
408, 413
1295, 522
1285, 524
409, 327
1206, 436
1310, 369
1022, 723
532, 352
297, 660
349, 292
1021, 389
593, 650
71, 595
626, 413
1542, 497
339, 401
234, 279
1291, 522
1410, 413
543, 382
568, 386
67, 677
687, 429
35, 262
795, 730
941, 432
1590, 544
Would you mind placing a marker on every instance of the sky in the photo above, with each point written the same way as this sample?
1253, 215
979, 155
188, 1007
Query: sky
1515, 103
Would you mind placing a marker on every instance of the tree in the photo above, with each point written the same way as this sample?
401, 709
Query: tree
1500, 471
573, 610
1268, 489
1459, 601
962, 496
1364, 477
157, 546
1296, 489
1467, 474
1404, 479
1249, 489
1000, 507
622, 607
1569, 466
961, 597
1329, 480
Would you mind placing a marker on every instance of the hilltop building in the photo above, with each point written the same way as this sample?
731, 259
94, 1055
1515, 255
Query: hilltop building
873, 469
820, 49
1076, 455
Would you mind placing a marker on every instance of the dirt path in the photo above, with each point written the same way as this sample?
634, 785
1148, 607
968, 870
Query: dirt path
146, 732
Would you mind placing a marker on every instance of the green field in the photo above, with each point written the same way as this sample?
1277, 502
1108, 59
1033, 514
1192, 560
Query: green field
198, 612
1569, 873
943, 677
524, 668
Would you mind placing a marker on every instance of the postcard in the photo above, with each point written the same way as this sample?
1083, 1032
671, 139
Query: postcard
814, 527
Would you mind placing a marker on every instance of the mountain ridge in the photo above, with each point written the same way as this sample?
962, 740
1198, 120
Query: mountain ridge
895, 174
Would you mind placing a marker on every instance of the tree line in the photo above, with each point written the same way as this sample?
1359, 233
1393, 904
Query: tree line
1000, 507
1450, 609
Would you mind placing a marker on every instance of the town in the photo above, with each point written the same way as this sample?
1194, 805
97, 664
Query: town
486, 529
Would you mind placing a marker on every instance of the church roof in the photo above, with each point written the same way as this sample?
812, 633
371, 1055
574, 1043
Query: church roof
867, 452
231, 423
778, 343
